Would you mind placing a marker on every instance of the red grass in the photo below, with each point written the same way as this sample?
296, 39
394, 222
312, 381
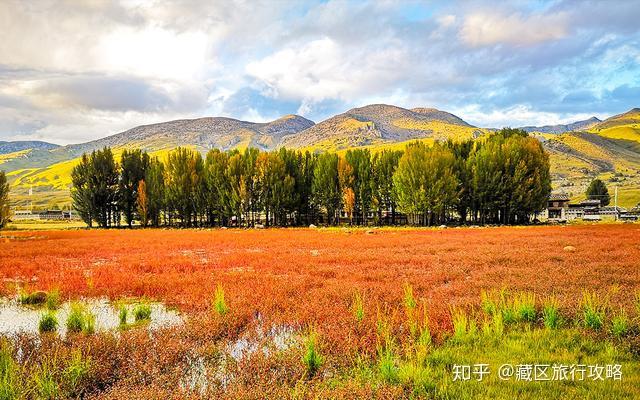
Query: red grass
304, 275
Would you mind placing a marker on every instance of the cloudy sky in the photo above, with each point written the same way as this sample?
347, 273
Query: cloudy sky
72, 71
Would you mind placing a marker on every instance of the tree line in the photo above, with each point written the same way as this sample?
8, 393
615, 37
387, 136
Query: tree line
499, 178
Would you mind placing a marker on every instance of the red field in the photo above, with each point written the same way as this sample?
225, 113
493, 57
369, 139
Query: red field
305, 275
299, 278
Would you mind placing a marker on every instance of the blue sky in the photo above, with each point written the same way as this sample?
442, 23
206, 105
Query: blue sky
76, 71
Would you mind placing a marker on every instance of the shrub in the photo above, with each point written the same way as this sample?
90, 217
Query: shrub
312, 358
498, 324
418, 377
551, 314
460, 324
45, 382
620, 324
123, 315
76, 371
489, 303
219, 304
387, 364
80, 319
358, 307
9, 384
387, 367
525, 305
593, 311
33, 298
509, 313
48, 322
409, 299
53, 299
142, 312
90, 323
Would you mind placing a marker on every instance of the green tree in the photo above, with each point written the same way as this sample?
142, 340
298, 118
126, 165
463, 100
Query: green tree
217, 187
529, 183
426, 183
360, 161
384, 165
461, 151
183, 175
133, 164
510, 177
82, 191
103, 183
251, 201
275, 185
597, 190
155, 190
4, 200
237, 186
326, 186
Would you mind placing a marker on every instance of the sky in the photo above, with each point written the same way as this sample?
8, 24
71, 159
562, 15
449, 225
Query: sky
74, 71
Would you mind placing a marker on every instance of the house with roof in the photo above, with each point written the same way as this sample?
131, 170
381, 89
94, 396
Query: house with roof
557, 206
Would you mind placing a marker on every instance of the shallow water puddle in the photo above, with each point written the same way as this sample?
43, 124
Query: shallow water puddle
16, 318
280, 338
200, 374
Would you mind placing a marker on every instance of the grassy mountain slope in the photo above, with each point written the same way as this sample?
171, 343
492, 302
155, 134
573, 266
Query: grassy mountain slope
378, 124
625, 126
12, 147
577, 158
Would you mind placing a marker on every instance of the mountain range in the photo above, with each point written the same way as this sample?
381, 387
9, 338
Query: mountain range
572, 127
579, 151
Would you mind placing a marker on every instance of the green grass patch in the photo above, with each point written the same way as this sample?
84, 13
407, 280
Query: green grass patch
142, 312
48, 322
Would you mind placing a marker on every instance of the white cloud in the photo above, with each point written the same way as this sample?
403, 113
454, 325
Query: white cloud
322, 69
515, 116
492, 27
74, 71
154, 52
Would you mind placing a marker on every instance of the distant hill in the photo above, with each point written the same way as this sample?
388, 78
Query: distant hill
381, 123
12, 147
625, 126
206, 133
573, 127
202, 133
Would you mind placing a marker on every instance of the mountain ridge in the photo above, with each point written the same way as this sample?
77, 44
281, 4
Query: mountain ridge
380, 123
561, 128
7, 147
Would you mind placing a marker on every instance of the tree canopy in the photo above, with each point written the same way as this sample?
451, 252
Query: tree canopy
501, 178
597, 190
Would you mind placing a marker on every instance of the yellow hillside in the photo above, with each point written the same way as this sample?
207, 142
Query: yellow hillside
10, 156
441, 130
624, 126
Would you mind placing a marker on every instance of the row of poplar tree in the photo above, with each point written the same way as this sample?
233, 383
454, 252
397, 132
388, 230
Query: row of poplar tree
499, 178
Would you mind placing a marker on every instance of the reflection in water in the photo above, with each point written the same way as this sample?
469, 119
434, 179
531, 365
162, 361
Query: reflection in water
16, 318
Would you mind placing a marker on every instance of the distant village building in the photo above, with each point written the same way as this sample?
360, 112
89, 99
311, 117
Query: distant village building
47, 215
612, 210
23, 215
557, 207
585, 207
560, 210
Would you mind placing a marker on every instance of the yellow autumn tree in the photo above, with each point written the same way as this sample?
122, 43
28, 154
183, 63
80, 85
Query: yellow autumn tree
143, 203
